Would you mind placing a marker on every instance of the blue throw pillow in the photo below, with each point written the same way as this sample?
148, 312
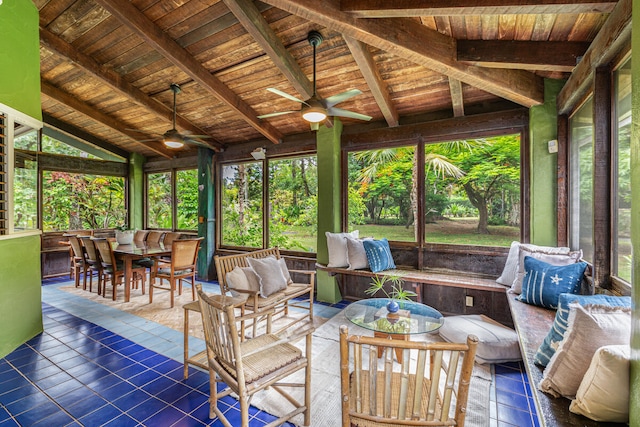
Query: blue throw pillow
378, 255
556, 333
543, 283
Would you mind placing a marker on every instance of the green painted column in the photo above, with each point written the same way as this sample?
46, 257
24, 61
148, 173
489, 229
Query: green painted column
136, 191
206, 214
543, 127
635, 217
329, 203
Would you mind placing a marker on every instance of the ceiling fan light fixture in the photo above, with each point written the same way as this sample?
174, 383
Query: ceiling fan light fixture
314, 115
173, 143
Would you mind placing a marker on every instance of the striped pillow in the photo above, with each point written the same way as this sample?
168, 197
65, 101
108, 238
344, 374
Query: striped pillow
378, 255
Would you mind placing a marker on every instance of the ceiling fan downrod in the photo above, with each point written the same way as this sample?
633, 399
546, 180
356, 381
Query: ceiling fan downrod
315, 39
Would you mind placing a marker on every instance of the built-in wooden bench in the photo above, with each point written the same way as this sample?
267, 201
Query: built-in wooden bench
532, 324
472, 293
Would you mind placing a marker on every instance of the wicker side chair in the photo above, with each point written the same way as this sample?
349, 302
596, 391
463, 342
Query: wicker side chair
420, 392
253, 365
154, 237
115, 269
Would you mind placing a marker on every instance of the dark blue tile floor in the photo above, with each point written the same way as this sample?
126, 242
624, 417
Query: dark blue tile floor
80, 372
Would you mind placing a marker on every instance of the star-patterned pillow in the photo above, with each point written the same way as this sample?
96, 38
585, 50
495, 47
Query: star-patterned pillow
543, 283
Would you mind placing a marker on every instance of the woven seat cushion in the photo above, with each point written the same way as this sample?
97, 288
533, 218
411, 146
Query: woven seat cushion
294, 288
269, 301
497, 343
167, 271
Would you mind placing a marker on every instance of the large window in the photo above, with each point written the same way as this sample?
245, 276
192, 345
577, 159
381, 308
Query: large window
621, 262
187, 199
159, 206
290, 222
72, 201
581, 180
471, 192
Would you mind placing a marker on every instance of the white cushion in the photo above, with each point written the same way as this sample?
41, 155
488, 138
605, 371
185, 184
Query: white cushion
252, 278
356, 255
236, 279
511, 266
270, 274
497, 343
590, 327
554, 256
285, 270
603, 394
337, 247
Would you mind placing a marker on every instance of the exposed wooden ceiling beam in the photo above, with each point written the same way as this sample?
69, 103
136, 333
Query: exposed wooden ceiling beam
255, 24
457, 100
413, 41
115, 124
374, 80
525, 55
407, 8
153, 35
615, 33
117, 83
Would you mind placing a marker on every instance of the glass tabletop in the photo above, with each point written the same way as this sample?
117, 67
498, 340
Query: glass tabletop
412, 317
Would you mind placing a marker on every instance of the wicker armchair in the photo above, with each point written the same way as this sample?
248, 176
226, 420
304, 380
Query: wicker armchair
253, 365
419, 392
184, 254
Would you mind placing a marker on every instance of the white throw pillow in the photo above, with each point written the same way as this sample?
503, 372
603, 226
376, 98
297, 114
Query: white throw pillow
270, 274
590, 327
285, 270
337, 247
603, 394
497, 343
511, 266
356, 255
252, 278
554, 256
237, 279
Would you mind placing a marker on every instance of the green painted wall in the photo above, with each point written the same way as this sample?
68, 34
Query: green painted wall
543, 127
136, 191
20, 297
635, 216
20, 57
329, 210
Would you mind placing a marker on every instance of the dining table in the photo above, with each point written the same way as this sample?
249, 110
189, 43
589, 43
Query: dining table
134, 251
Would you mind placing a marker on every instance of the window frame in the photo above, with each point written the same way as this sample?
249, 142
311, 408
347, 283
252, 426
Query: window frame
174, 201
11, 116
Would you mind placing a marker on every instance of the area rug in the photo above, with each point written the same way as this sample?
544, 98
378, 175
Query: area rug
325, 379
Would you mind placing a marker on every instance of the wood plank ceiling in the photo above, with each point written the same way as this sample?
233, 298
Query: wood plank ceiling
107, 65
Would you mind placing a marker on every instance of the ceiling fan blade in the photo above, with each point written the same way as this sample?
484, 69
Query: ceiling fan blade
279, 113
284, 95
188, 135
336, 99
192, 141
339, 112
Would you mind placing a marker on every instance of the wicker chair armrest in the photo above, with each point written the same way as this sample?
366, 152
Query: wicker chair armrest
310, 273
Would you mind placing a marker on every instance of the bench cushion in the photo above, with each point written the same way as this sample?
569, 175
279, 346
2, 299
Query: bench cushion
497, 343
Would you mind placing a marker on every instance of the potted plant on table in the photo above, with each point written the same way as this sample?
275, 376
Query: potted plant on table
124, 235
397, 293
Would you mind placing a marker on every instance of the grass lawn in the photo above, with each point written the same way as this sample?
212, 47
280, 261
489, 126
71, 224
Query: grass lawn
461, 231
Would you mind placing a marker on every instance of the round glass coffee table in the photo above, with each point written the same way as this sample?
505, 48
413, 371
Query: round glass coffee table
412, 318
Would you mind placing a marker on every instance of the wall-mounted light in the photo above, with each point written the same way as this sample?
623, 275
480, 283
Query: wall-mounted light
259, 153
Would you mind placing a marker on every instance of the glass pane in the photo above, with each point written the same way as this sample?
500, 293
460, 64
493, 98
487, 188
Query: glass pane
159, 200
581, 169
77, 201
293, 203
25, 179
241, 204
622, 180
381, 195
187, 199
472, 191
52, 145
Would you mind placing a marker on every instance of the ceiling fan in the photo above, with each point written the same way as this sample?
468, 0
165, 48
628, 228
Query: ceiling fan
316, 109
172, 138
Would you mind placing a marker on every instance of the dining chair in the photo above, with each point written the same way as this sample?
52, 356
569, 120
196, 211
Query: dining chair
115, 268
140, 236
154, 237
78, 261
93, 262
184, 254
430, 386
170, 237
253, 365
